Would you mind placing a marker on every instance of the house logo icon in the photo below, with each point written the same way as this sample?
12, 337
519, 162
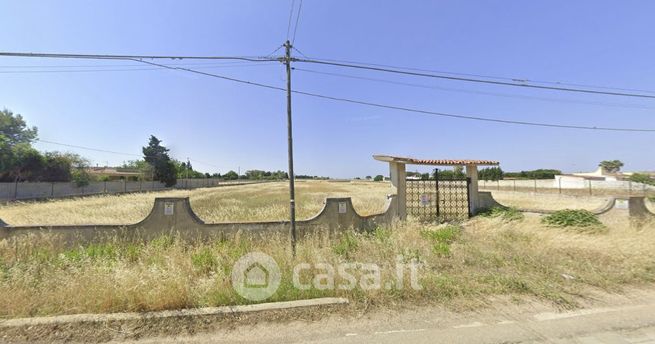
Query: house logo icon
255, 276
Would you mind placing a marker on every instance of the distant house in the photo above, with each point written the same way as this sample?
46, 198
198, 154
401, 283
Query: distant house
114, 173
583, 179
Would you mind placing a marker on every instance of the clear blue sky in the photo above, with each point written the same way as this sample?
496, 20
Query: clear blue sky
231, 125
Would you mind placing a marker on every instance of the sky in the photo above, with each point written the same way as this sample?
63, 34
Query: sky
221, 125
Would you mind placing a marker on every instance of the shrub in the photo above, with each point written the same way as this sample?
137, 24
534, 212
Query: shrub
572, 218
204, 260
505, 213
442, 238
382, 235
642, 178
347, 245
378, 178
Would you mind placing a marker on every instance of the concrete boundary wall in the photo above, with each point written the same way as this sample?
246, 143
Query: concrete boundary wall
174, 216
615, 209
45, 190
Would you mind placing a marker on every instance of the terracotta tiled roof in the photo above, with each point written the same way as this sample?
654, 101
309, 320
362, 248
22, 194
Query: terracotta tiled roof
435, 162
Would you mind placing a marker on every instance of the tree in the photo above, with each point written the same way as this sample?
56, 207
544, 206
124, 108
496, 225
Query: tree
231, 175
17, 157
611, 166
14, 130
378, 178
491, 173
164, 170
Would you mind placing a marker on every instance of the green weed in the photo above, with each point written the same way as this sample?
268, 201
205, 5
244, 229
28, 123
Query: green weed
347, 245
505, 213
572, 218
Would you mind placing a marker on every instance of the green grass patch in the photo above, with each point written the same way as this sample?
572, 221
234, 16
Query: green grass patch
505, 213
442, 238
572, 218
347, 245
204, 260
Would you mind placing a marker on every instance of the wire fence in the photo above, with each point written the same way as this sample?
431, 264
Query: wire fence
566, 187
42, 190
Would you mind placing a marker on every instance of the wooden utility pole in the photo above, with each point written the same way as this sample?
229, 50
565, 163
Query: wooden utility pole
292, 193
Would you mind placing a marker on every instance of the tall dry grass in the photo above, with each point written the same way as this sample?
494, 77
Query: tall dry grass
461, 267
254, 202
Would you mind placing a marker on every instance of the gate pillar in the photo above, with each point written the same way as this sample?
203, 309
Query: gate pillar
474, 200
399, 185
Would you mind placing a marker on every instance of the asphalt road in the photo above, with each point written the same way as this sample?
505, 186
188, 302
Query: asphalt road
624, 322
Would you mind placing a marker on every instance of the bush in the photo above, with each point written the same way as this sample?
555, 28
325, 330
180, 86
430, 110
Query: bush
572, 218
204, 261
347, 245
378, 178
505, 213
642, 178
442, 238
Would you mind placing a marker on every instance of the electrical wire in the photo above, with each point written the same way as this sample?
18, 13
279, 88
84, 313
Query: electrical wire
485, 76
469, 79
448, 89
86, 148
295, 29
293, 5
120, 69
140, 58
406, 109
110, 151
132, 57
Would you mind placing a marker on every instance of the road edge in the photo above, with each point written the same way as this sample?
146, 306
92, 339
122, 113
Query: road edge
191, 312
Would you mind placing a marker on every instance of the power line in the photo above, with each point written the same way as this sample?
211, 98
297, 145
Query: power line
132, 57
406, 109
140, 58
293, 40
110, 151
197, 64
448, 89
514, 79
293, 3
118, 69
86, 148
212, 75
468, 79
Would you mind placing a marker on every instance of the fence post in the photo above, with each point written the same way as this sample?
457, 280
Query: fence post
52, 189
590, 193
16, 189
124, 185
559, 185
498, 182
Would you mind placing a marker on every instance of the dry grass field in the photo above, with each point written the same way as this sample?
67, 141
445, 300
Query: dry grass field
254, 202
461, 266
528, 200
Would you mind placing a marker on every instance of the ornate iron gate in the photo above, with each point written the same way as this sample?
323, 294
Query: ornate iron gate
438, 199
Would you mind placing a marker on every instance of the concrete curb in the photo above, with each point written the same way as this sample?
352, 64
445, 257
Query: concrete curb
77, 318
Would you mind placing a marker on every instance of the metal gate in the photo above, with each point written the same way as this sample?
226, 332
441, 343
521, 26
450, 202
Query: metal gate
438, 199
